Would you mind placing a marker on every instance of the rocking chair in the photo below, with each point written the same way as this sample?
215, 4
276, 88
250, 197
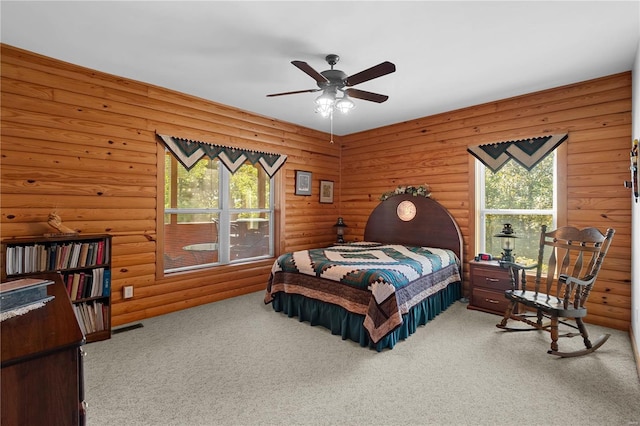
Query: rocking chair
576, 257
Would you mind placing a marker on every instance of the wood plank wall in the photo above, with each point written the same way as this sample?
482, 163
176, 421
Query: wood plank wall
432, 150
82, 143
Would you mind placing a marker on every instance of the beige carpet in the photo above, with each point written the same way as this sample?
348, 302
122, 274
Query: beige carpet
237, 362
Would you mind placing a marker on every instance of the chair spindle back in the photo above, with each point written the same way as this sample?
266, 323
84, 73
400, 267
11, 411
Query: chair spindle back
571, 249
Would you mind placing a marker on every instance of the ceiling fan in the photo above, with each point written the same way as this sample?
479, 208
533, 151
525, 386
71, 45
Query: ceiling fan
333, 81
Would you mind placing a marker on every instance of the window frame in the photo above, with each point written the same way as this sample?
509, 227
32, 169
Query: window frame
476, 191
224, 215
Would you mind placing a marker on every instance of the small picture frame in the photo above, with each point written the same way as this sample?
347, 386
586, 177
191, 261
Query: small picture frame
303, 183
326, 191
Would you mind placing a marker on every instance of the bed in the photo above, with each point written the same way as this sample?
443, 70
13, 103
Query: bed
379, 291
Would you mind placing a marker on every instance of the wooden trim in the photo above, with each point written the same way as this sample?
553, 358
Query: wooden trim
562, 184
279, 212
160, 153
473, 208
634, 348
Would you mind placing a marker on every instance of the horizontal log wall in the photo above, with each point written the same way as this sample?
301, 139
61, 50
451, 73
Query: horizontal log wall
432, 150
82, 143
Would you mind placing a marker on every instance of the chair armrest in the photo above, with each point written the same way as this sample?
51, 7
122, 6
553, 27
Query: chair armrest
570, 291
570, 280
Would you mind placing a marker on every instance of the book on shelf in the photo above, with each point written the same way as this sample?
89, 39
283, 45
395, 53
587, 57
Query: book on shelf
27, 259
43, 258
81, 283
100, 316
98, 276
19, 260
58, 257
9, 260
106, 282
62, 256
84, 249
68, 283
74, 285
91, 316
75, 256
51, 256
91, 254
88, 284
100, 253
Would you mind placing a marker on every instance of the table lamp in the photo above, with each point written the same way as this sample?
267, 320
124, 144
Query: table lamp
508, 238
340, 225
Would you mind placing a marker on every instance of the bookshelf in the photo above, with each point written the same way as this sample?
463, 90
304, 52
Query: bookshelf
84, 264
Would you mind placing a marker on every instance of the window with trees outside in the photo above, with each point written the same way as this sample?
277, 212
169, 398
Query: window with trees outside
213, 216
525, 199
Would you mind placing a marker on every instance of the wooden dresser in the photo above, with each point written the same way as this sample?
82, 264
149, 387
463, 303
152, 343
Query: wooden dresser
488, 284
42, 377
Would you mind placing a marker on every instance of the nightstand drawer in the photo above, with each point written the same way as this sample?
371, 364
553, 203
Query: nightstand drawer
488, 284
495, 278
489, 300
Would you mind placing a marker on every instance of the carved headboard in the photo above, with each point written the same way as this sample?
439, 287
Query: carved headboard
432, 226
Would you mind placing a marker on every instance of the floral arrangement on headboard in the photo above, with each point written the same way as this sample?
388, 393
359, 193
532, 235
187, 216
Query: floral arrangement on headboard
421, 190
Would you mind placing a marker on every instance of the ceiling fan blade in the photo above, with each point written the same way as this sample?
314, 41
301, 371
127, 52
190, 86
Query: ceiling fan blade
367, 96
371, 73
310, 71
293, 93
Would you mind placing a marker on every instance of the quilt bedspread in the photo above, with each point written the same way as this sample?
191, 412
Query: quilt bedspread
380, 282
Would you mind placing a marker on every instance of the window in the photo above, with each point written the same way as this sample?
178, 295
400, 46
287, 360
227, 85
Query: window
213, 216
525, 199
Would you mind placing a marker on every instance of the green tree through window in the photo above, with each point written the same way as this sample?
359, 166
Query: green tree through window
213, 216
526, 199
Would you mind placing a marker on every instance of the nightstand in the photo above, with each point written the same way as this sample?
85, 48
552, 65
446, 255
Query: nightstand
488, 284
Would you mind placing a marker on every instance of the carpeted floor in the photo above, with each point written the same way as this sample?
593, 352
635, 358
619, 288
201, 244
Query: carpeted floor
237, 362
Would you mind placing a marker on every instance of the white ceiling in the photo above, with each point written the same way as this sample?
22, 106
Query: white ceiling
448, 55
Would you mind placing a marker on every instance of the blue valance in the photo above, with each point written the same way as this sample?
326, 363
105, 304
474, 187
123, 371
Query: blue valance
188, 152
527, 152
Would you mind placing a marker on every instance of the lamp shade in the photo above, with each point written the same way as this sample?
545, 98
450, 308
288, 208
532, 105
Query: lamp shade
325, 103
508, 242
345, 104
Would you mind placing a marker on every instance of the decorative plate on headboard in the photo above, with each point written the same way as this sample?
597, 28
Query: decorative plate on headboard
406, 210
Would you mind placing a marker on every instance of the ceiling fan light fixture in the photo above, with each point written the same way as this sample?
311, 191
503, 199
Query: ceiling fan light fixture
325, 103
345, 104
324, 111
327, 100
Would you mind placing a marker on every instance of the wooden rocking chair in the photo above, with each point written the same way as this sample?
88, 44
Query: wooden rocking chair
576, 257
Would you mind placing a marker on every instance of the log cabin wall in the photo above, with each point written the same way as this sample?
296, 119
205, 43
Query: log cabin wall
432, 150
82, 143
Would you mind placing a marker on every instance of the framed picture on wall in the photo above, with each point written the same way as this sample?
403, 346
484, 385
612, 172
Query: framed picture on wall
326, 191
303, 183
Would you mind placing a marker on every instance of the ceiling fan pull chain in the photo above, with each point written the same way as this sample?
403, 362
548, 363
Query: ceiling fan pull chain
331, 120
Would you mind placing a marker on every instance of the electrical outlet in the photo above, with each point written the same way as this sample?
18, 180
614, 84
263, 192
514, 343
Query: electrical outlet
128, 291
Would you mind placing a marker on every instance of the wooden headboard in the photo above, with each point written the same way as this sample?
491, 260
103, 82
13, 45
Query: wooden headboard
433, 225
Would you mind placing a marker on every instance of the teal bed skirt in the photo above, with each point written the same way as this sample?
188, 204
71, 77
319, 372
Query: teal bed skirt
341, 322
